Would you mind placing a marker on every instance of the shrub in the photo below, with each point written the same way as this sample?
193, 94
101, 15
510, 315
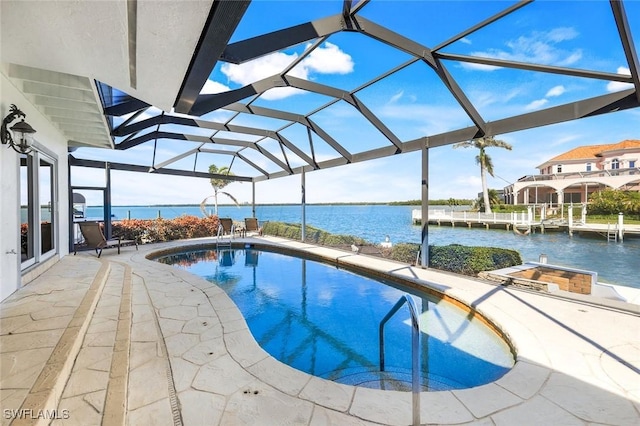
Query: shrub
405, 252
453, 258
471, 260
157, 230
313, 235
614, 201
459, 259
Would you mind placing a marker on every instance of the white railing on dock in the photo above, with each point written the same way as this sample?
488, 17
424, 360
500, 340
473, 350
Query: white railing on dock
530, 220
476, 217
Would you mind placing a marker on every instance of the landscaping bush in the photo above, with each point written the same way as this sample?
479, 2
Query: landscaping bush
157, 230
453, 258
405, 252
313, 235
471, 260
459, 259
614, 201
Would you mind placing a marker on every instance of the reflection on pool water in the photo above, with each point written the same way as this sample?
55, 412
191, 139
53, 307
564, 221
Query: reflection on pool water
324, 321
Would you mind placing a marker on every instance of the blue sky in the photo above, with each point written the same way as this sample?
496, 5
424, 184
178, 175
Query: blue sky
412, 103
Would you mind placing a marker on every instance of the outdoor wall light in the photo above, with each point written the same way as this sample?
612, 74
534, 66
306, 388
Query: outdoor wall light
22, 131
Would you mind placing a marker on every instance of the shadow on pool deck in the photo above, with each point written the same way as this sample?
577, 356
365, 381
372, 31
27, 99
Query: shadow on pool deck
125, 340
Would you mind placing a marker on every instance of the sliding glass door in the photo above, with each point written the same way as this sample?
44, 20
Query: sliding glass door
27, 211
38, 208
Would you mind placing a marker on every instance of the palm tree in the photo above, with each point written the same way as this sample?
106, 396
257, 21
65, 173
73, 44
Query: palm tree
486, 165
494, 199
217, 185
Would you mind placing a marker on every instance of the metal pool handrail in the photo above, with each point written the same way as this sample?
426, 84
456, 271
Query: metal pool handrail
415, 353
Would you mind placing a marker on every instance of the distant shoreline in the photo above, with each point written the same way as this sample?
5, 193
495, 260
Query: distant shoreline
257, 205
373, 203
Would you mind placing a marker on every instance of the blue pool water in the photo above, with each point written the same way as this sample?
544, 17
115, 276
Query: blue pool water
615, 263
324, 321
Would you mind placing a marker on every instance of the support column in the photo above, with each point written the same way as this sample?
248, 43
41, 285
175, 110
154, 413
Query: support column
424, 250
304, 206
561, 203
107, 202
253, 199
71, 215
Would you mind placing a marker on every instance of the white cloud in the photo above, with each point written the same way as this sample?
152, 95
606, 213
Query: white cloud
536, 104
261, 68
395, 98
616, 86
465, 40
479, 67
561, 34
539, 47
555, 91
211, 87
563, 140
326, 59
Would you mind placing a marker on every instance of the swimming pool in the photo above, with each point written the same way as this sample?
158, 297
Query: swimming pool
324, 321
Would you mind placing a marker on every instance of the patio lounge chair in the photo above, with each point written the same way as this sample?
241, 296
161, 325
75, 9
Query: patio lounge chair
94, 238
251, 225
226, 227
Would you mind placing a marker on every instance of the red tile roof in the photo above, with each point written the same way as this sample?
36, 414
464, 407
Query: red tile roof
589, 152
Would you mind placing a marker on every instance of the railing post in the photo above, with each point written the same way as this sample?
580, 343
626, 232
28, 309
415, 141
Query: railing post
620, 226
415, 350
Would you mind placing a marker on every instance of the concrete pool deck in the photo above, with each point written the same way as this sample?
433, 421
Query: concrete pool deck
125, 340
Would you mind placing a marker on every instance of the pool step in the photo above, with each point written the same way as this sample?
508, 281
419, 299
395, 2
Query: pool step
398, 379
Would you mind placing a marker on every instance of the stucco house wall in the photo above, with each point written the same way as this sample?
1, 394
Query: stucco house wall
574, 181
54, 144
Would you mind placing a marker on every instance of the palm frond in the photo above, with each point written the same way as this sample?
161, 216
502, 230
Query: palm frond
466, 144
230, 196
203, 205
488, 164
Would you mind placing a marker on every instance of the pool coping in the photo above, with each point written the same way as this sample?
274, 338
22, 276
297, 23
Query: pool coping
522, 384
192, 360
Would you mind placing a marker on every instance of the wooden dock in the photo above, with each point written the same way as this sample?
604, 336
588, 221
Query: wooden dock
525, 223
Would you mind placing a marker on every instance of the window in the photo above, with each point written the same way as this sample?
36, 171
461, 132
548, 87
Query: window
632, 164
588, 167
38, 210
27, 227
559, 168
615, 164
46, 179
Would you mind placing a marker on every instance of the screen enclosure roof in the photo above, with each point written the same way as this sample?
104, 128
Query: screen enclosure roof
271, 88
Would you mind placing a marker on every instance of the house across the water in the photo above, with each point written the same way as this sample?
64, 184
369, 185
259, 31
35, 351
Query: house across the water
573, 176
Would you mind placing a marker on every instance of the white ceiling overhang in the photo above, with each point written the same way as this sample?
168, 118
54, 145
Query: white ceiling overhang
54, 51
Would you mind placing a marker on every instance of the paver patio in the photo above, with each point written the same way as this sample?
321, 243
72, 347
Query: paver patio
125, 340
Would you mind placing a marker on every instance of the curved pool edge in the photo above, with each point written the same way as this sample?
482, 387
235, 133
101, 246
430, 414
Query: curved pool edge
520, 383
354, 264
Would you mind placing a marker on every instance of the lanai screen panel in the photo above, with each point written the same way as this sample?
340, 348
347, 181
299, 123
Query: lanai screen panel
411, 74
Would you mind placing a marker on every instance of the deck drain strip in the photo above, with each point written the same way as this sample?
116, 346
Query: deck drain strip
173, 398
115, 406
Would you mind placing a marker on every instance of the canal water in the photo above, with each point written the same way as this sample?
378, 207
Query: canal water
616, 263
